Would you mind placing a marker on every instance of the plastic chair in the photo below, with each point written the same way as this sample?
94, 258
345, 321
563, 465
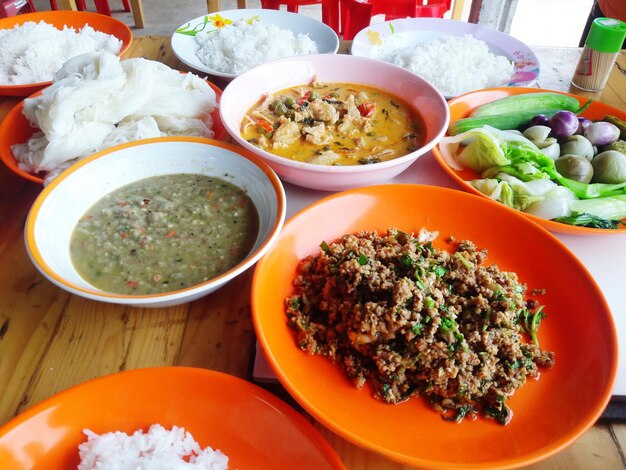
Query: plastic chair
102, 6
330, 9
15, 7
357, 14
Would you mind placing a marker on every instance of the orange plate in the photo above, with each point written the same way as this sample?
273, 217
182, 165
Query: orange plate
463, 105
15, 129
250, 425
58, 19
548, 414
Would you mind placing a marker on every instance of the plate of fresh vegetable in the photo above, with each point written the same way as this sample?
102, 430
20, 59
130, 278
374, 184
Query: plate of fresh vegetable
558, 158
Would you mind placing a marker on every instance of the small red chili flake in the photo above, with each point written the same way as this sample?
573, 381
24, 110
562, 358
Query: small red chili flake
367, 109
304, 98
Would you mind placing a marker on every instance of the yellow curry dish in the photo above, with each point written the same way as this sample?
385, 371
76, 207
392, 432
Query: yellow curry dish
334, 124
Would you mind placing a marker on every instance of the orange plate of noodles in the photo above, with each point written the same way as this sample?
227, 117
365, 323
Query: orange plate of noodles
15, 129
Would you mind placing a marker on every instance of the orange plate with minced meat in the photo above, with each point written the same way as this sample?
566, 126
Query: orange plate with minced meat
548, 413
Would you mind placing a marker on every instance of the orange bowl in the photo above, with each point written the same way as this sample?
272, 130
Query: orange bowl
462, 106
58, 19
248, 424
15, 129
548, 414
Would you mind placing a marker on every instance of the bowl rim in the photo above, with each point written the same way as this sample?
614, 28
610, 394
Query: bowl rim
252, 257
252, 12
41, 16
329, 169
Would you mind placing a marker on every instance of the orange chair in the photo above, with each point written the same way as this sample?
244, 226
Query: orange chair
330, 9
357, 14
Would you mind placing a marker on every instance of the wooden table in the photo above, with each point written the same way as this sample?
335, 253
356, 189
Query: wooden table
51, 340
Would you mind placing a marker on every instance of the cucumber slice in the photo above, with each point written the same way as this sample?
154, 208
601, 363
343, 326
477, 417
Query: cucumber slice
536, 103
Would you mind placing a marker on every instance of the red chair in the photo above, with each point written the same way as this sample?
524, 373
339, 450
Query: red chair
15, 7
330, 9
102, 6
357, 14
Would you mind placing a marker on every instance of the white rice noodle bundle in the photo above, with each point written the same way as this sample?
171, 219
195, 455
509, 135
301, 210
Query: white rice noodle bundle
97, 101
158, 449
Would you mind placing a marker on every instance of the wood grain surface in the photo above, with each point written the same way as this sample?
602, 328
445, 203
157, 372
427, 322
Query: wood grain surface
51, 340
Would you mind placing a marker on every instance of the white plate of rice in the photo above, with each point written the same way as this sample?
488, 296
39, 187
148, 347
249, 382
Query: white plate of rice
454, 56
230, 42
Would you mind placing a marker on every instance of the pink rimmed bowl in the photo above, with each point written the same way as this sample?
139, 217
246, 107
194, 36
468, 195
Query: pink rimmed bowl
248, 88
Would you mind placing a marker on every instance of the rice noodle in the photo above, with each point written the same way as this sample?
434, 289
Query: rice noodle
97, 101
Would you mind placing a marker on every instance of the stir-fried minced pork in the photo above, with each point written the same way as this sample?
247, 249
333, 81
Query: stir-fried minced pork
417, 320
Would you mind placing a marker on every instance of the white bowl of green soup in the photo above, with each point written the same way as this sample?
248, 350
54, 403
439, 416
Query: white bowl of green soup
156, 222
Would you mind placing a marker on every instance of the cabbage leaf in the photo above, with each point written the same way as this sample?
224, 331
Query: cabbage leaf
540, 197
490, 151
611, 208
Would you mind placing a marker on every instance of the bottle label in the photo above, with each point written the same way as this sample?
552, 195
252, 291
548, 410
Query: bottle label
585, 64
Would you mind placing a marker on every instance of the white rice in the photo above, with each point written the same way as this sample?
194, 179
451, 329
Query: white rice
158, 449
34, 52
237, 47
452, 64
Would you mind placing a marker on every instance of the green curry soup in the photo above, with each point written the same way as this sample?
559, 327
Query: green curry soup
334, 124
164, 233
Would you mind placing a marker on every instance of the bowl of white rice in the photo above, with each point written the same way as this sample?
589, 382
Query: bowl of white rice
227, 43
454, 56
34, 46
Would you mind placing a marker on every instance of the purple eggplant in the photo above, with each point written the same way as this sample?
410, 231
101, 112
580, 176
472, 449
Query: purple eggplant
563, 124
583, 123
538, 120
602, 133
